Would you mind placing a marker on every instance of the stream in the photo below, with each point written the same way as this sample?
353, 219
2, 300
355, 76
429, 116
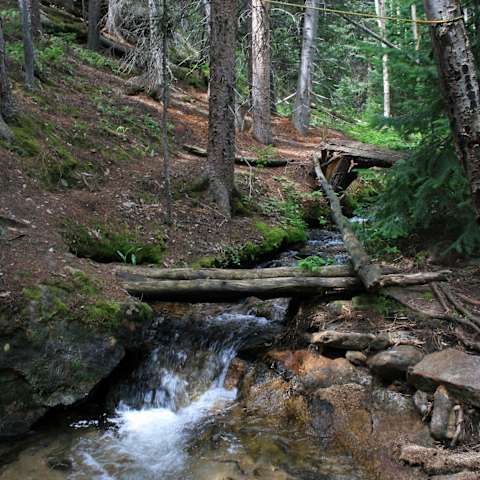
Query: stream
179, 415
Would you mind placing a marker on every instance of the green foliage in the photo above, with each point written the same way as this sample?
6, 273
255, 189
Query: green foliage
265, 154
313, 263
104, 243
97, 60
427, 194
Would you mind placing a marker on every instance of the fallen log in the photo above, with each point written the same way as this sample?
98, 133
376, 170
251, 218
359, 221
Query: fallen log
249, 161
339, 158
233, 274
218, 289
369, 272
225, 290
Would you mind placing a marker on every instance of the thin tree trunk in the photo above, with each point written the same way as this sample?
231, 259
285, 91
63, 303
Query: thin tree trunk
380, 10
27, 43
459, 83
93, 41
221, 118
7, 106
415, 30
301, 112
35, 16
261, 64
165, 85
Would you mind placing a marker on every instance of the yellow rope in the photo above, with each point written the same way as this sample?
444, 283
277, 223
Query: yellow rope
367, 15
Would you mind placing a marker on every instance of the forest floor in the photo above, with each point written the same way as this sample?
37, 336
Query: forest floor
88, 153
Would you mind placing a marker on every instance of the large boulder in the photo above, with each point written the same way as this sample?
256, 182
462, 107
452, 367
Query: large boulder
394, 363
458, 371
51, 355
317, 371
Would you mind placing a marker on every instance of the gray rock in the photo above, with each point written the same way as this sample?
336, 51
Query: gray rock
421, 402
393, 363
458, 371
442, 410
356, 358
343, 340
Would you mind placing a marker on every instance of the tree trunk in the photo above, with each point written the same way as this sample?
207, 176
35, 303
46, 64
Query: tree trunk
166, 92
27, 43
261, 64
221, 118
369, 272
380, 10
415, 31
35, 16
7, 106
93, 41
459, 83
301, 112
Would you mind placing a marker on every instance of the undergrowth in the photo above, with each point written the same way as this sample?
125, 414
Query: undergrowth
107, 243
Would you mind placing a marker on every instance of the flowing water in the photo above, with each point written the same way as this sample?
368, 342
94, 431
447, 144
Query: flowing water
174, 419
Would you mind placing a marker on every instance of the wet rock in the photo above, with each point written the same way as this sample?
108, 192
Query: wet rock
456, 370
356, 358
57, 359
394, 363
316, 371
236, 372
421, 402
370, 423
442, 412
63, 464
437, 461
343, 340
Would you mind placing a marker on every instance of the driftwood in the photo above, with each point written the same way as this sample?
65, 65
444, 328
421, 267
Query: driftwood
232, 284
338, 158
369, 272
249, 161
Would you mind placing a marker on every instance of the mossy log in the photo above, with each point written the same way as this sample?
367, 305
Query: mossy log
369, 272
228, 288
249, 161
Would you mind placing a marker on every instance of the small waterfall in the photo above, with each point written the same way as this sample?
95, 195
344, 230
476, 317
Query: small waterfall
180, 384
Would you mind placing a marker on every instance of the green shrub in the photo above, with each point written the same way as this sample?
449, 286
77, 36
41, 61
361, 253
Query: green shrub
313, 263
106, 244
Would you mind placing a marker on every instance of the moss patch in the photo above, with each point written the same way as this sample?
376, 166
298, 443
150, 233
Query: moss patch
107, 243
78, 298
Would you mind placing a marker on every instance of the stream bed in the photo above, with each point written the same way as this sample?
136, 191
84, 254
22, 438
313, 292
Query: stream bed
192, 410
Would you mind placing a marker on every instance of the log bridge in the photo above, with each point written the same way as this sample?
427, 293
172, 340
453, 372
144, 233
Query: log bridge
210, 284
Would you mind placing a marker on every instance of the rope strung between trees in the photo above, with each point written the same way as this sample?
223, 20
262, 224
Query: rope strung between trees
371, 16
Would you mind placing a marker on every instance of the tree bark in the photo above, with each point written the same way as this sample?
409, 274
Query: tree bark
369, 272
380, 10
7, 106
223, 290
27, 43
166, 95
301, 112
221, 117
93, 41
233, 274
261, 65
459, 84
35, 16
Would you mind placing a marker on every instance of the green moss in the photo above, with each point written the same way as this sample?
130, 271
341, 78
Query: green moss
78, 298
104, 314
106, 243
274, 240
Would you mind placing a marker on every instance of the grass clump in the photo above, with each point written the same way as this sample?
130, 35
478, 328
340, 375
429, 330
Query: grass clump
106, 244
314, 263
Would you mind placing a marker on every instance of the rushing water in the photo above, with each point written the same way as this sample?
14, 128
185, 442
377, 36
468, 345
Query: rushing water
175, 420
